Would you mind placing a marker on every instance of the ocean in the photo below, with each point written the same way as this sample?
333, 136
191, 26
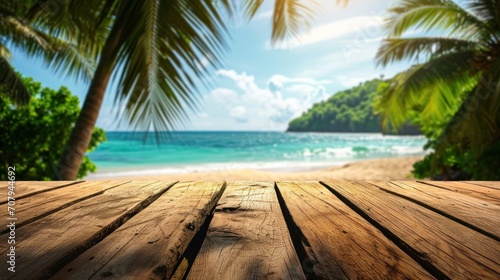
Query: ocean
127, 154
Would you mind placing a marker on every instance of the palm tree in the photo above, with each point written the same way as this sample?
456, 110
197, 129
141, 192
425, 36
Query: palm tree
456, 70
53, 35
154, 50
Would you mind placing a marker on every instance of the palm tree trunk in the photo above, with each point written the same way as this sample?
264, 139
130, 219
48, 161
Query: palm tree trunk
72, 157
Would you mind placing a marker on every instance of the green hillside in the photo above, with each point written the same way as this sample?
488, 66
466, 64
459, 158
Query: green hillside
350, 110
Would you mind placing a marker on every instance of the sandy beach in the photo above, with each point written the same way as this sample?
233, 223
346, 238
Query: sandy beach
379, 169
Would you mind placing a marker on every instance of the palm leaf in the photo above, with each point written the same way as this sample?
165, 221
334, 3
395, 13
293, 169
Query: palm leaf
160, 57
442, 16
398, 49
58, 36
4, 52
488, 11
289, 16
11, 84
477, 121
440, 80
22, 34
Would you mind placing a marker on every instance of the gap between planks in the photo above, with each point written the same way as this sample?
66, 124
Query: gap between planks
247, 238
149, 245
477, 214
51, 242
339, 243
35, 207
25, 189
454, 249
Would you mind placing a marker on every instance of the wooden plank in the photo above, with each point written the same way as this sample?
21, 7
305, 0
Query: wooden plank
472, 212
452, 248
485, 193
488, 184
29, 188
151, 243
35, 207
247, 238
47, 244
339, 242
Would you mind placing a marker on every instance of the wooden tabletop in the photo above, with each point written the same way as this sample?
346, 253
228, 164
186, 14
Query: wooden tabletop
252, 230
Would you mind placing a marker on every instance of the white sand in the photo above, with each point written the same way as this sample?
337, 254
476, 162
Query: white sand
380, 169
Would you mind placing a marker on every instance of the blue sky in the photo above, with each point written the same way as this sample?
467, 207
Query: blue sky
260, 87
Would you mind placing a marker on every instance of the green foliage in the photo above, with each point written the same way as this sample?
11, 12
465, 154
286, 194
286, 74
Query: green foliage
455, 163
453, 89
53, 32
346, 111
33, 135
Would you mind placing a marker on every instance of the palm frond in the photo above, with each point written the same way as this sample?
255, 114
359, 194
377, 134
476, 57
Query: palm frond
289, 16
71, 59
477, 121
22, 34
162, 50
488, 11
11, 84
58, 36
4, 51
439, 80
442, 16
398, 49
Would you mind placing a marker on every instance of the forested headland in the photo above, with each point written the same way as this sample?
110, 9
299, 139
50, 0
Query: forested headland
350, 110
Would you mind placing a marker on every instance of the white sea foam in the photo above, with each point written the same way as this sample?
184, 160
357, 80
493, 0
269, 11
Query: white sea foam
354, 152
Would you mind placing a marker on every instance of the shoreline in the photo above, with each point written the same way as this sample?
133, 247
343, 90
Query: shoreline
397, 168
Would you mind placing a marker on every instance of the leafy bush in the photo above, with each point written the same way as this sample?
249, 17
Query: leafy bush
456, 162
33, 136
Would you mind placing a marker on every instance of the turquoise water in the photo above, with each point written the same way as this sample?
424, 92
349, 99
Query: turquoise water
125, 153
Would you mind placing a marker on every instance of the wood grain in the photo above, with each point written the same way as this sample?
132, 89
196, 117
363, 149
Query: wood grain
35, 207
150, 244
489, 184
455, 250
485, 193
48, 243
29, 188
339, 242
472, 211
247, 238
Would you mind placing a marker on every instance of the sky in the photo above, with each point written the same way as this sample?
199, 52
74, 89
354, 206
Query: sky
262, 87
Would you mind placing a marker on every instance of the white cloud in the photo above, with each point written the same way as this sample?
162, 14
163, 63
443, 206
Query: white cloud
242, 80
268, 102
239, 114
300, 88
369, 25
223, 95
347, 55
308, 81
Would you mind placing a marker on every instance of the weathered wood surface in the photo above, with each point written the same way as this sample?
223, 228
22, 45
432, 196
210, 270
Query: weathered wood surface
491, 195
32, 208
46, 244
247, 238
489, 184
482, 215
27, 188
294, 230
338, 242
151, 243
451, 249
